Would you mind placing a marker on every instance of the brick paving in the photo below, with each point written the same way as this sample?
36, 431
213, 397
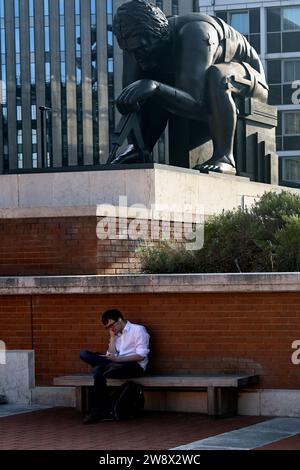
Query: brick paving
62, 429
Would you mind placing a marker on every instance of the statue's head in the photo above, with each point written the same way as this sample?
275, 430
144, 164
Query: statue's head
143, 29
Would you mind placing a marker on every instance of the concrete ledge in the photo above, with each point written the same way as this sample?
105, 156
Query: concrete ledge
44, 212
151, 283
54, 396
250, 402
17, 376
158, 212
269, 403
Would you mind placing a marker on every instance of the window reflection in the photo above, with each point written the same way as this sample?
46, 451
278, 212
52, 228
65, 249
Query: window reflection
240, 21
291, 169
291, 19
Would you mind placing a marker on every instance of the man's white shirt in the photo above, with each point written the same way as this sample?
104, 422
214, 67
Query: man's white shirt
134, 339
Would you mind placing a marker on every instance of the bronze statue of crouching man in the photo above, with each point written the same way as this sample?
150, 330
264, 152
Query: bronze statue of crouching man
192, 66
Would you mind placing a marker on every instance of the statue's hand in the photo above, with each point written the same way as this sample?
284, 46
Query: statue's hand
132, 96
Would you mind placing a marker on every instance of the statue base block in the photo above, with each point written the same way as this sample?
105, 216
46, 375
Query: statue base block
52, 224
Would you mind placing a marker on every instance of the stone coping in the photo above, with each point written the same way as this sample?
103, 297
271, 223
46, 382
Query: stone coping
150, 283
191, 213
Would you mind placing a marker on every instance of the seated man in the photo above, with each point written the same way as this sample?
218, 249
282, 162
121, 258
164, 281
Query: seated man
126, 357
192, 66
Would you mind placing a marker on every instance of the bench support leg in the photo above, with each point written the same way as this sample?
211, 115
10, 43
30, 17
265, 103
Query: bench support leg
78, 396
83, 399
222, 401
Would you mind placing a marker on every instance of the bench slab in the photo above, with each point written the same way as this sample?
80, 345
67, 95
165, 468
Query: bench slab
164, 381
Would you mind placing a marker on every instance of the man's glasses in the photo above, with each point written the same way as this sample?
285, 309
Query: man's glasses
107, 327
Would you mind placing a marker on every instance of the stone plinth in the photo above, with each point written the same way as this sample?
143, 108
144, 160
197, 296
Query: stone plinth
73, 194
50, 222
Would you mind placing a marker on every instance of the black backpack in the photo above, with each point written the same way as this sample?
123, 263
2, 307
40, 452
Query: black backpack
128, 402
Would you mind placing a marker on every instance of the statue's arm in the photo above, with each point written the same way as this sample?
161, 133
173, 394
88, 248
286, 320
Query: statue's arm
195, 55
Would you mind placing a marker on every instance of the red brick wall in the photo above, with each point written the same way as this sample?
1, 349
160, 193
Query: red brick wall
249, 333
48, 246
66, 245
16, 321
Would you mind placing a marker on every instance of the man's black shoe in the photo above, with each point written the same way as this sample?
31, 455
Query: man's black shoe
97, 415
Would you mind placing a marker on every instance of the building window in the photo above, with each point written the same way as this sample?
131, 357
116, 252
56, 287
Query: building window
32, 51
78, 75
34, 137
20, 160
290, 169
283, 29
110, 71
281, 75
4, 107
47, 115
33, 112
2, 55
247, 22
18, 85
292, 123
288, 130
64, 107
95, 108
291, 19
196, 6
34, 160
175, 7
291, 70
240, 21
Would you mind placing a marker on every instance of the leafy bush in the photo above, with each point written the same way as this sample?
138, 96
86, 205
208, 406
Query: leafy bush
288, 245
264, 238
166, 258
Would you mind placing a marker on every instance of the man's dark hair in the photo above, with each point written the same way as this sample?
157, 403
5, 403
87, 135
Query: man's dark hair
140, 16
112, 314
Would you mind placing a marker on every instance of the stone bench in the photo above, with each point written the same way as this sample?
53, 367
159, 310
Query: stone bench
222, 390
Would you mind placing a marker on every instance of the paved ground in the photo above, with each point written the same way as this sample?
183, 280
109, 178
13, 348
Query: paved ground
61, 429
251, 437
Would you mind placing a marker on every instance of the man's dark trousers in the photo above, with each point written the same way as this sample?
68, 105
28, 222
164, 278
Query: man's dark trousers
104, 368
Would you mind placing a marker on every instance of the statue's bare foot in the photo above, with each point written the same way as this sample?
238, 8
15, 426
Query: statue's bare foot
224, 165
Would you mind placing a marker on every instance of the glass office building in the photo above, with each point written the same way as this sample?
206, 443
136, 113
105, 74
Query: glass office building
55, 83
60, 72
273, 28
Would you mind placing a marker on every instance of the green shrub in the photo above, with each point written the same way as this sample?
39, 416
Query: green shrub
264, 238
288, 245
166, 258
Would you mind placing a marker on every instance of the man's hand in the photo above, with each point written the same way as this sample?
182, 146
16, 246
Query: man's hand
132, 96
112, 334
112, 357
